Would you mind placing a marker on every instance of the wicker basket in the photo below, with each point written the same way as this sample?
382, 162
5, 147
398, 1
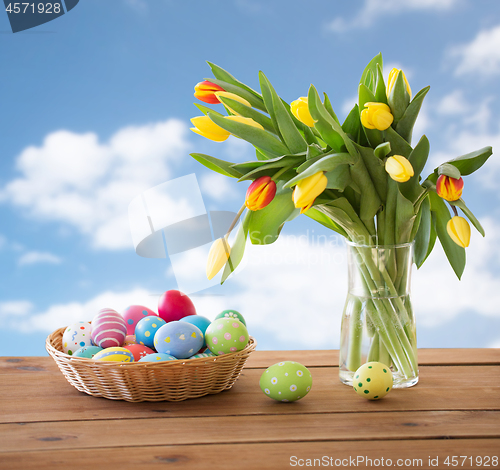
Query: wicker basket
149, 381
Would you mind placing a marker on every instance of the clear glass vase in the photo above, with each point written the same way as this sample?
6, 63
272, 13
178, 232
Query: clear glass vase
378, 323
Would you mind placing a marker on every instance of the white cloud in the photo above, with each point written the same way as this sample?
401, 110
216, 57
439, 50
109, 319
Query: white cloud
453, 104
15, 308
217, 186
480, 57
75, 179
372, 10
36, 257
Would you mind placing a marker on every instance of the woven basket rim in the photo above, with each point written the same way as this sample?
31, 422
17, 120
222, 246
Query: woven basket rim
59, 355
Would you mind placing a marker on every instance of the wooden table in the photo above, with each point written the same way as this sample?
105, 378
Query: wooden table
453, 411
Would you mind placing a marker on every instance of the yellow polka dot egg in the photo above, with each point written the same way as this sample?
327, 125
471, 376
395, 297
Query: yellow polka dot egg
372, 380
286, 381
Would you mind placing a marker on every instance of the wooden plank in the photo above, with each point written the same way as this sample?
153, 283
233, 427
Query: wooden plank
262, 456
35, 396
248, 429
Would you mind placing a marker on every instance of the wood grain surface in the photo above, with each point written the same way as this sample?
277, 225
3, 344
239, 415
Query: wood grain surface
454, 411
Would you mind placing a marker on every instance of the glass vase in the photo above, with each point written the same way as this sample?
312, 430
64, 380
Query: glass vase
378, 323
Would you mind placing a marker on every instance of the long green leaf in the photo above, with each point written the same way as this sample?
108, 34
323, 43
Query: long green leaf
339, 178
372, 67
460, 203
250, 97
405, 218
398, 99
224, 75
352, 124
380, 93
454, 253
291, 160
423, 235
326, 221
405, 125
283, 160
471, 162
257, 137
214, 164
399, 146
268, 102
365, 95
245, 111
376, 170
412, 189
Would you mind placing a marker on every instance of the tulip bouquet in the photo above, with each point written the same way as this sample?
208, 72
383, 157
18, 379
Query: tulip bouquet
360, 178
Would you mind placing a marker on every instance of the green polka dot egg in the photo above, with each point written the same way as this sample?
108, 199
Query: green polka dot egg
226, 335
286, 381
372, 380
231, 314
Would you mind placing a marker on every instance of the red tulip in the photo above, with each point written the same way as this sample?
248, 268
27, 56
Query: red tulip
260, 193
449, 188
205, 91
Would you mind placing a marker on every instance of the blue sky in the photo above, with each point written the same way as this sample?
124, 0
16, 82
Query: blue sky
95, 110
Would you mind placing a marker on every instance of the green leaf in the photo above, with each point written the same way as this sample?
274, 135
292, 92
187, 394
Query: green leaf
327, 163
399, 146
405, 125
352, 124
268, 101
264, 226
224, 75
339, 178
471, 162
286, 160
460, 203
454, 253
365, 95
324, 220
261, 155
398, 99
255, 101
382, 150
238, 248
423, 235
376, 169
372, 67
314, 150
449, 170
329, 108
380, 93
245, 111
257, 137
412, 189
214, 164
405, 217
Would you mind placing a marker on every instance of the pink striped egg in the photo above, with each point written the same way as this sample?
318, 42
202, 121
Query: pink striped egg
108, 329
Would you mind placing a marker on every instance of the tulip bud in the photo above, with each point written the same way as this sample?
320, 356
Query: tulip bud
300, 110
393, 76
217, 257
399, 168
205, 91
449, 188
260, 193
308, 189
459, 231
239, 99
204, 126
376, 116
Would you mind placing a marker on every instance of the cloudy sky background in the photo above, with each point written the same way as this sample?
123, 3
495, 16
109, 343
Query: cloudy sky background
95, 110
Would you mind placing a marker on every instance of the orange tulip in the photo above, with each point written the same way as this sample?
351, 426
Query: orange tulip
449, 188
260, 193
205, 91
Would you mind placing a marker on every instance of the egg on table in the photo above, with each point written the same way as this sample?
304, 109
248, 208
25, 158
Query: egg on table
372, 380
226, 335
76, 336
286, 381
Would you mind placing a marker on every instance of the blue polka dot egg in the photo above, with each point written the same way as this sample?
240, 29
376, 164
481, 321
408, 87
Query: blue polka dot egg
146, 329
286, 381
178, 338
372, 380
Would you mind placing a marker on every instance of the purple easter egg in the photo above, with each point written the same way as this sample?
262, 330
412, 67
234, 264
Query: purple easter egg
108, 329
133, 314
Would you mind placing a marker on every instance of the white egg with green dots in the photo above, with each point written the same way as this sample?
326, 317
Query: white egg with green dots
372, 380
286, 381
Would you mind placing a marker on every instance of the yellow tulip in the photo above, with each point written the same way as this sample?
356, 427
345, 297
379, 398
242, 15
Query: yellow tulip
217, 257
244, 120
204, 126
393, 76
459, 231
376, 116
300, 110
308, 189
232, 96
399, 168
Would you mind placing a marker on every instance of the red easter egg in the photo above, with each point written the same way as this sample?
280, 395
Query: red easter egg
174, 305
133, 314
139, 351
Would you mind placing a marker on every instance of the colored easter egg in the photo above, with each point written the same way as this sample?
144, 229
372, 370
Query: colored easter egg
133, 314
87, 351
115, 354
129, 339
76, 336
146, 329
226, 335
108, 329
372, 380
174, 305
157, 357
199, 321
203, 354
286, 381
231, 314
178, 338
139, 351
